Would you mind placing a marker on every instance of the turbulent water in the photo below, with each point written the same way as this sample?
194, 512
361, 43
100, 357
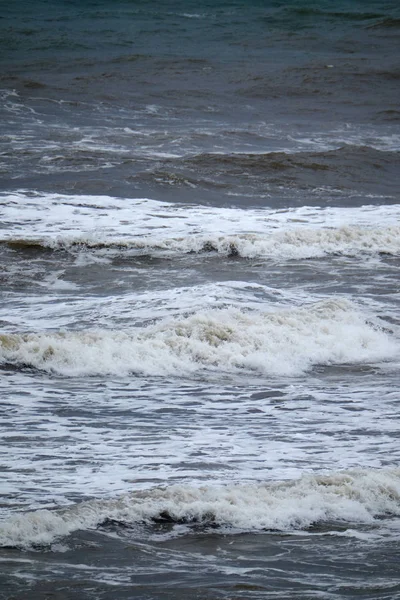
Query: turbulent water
200, 329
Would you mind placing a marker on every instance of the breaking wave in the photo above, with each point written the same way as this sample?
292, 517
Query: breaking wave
299, 243
358, 496
286, 341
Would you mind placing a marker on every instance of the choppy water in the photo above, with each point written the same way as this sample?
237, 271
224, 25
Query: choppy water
199, 278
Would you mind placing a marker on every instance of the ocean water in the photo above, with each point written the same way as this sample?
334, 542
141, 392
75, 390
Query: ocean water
200, 290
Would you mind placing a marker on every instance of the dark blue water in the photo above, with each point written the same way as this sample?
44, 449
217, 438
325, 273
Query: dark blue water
128, 98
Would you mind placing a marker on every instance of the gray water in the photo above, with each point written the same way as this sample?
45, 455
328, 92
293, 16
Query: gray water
199, 280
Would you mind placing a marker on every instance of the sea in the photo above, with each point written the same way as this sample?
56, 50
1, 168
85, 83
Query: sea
199, 300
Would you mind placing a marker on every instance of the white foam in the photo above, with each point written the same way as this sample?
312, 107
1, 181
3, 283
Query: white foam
353, 496
282, 341
298, 243
295, 244
193, 15
101, 222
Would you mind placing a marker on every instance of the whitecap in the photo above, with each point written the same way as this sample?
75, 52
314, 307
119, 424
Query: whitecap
356, 497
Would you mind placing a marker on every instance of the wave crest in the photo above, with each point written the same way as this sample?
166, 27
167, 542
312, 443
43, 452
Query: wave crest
296, 243
350, 497
282, 342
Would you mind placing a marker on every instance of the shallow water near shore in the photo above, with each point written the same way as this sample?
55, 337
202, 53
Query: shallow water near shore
200, 332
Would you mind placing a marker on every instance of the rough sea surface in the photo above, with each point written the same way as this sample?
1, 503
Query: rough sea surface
200, 292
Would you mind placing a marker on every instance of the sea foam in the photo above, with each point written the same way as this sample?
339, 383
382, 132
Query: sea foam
293, 244
346, 497
283, 341
118, 225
